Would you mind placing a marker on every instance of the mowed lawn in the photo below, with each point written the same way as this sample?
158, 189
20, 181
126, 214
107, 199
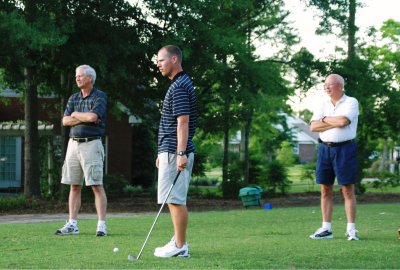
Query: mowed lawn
241, 239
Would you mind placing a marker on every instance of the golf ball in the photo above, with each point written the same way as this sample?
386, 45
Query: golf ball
115, 249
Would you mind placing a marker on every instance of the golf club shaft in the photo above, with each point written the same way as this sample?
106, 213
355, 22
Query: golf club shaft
158, 214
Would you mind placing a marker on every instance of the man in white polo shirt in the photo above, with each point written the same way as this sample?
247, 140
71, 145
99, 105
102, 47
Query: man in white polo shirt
336, 121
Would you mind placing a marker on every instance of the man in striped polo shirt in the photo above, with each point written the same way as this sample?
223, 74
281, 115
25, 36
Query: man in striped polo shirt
175, 147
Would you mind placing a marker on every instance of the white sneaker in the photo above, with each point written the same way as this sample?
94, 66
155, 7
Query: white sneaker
171, 250
68, 228
352, 235
322, 233
101, 230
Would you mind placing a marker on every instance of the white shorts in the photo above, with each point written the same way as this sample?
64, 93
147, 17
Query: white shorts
83, 160
166, 175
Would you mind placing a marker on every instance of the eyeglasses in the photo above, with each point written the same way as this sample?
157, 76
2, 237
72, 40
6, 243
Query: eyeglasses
329, 85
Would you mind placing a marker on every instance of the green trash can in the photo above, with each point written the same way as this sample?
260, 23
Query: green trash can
251, 196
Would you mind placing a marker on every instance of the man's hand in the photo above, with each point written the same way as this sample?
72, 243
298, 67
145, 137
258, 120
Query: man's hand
329, 122
181, 162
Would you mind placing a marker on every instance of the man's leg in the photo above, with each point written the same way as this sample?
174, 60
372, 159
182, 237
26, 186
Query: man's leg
349, 202
326, 202
100, 200
180, 216
74, 201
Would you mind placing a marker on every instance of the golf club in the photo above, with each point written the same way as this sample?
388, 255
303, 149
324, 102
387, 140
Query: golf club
131, 257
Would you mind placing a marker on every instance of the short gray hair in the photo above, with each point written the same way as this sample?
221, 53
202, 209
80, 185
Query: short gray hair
88, 71
339, 79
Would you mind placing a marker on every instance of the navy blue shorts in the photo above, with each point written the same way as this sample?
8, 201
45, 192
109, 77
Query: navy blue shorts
339, 161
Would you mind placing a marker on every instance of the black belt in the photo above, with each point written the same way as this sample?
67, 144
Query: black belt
334, 144
88, 139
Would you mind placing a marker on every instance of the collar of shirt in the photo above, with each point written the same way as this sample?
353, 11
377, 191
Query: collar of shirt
90, 93
177, 75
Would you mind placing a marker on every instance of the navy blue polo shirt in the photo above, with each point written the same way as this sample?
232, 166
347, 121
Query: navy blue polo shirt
95, 102
179, 100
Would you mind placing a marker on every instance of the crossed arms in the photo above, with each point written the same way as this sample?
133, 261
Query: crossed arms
80, 117
329, 122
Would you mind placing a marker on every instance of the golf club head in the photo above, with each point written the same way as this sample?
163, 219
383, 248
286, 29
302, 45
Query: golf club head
132, 257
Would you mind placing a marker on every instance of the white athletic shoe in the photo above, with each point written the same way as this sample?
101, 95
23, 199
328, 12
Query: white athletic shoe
322, 233
171, 250
101, 230
352, 235
68, 228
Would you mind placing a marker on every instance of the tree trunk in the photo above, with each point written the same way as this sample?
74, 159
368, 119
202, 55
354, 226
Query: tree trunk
384, 156
225, 160
247, 126
351, 28
32, 164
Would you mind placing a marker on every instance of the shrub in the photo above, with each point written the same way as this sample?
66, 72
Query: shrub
308, 175
114, 185
386, 179
277, 177
131, 191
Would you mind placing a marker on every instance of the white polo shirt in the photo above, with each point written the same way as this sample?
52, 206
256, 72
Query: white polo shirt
346, 106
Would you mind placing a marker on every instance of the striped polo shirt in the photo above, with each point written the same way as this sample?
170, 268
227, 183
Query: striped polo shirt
179, 100
95, 102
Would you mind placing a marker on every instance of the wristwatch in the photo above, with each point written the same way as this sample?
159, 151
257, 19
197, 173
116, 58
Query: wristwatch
181, 153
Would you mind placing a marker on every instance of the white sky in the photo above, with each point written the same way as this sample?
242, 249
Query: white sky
374, 13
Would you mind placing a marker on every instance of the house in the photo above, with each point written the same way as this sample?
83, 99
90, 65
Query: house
306, 141
117, 142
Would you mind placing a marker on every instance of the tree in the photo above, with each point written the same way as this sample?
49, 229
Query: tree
30, 36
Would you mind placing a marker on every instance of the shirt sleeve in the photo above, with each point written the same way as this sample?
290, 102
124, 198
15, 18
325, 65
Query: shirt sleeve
100, 105
350, 109
181, 105
70, 107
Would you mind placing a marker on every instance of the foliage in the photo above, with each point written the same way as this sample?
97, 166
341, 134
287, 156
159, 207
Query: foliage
386, 179
308, 174
276, 178
205, 192
131, 191
285, 154
204, 181
14, 203
114, 185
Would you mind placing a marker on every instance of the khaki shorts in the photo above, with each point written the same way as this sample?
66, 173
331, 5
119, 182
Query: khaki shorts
166, 175
83, 161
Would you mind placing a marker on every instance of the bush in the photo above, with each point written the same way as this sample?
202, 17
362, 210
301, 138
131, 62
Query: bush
231, 187
131, 191
14, 203
204, 181
277, 177
308, 175
386, 179
114, 185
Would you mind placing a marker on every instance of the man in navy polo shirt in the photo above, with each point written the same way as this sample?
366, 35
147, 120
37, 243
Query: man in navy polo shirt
86, 115
175, 147
336, 121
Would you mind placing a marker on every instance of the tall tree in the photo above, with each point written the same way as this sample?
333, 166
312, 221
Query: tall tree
30, 37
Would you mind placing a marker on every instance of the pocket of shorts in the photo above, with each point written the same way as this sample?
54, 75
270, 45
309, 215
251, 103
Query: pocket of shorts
97, 172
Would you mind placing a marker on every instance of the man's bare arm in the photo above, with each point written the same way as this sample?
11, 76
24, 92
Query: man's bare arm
70, 121
329, 122
86, 117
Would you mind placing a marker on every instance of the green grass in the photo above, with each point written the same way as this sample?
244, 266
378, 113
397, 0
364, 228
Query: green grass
240, 239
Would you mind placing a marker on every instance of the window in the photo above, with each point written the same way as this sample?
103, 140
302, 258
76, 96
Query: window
10, 162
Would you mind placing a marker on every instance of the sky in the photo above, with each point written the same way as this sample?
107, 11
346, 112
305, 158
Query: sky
374, 14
